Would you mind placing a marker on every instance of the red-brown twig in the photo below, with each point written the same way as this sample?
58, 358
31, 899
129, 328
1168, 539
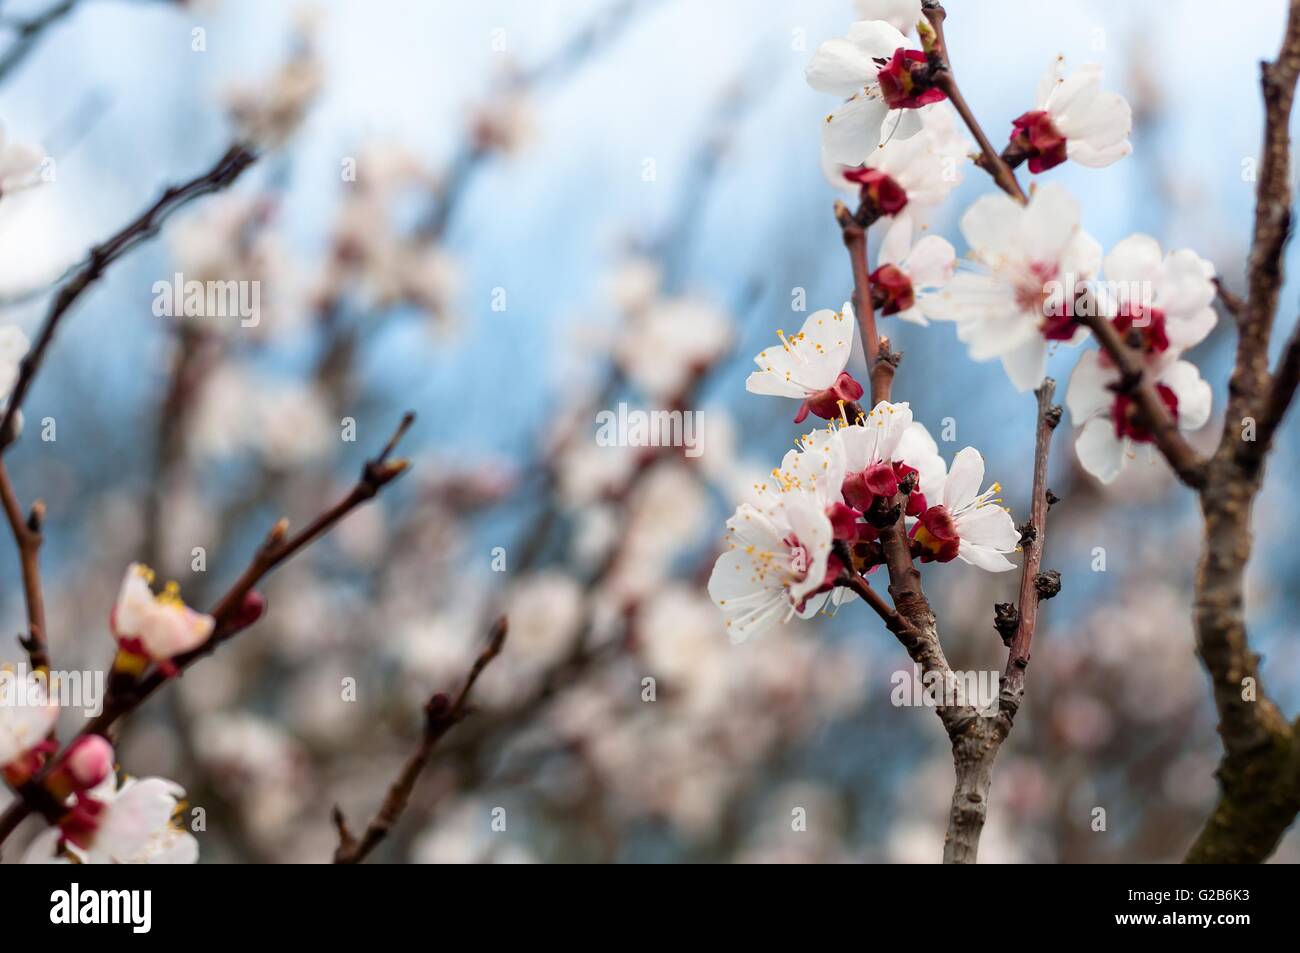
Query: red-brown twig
440, 716
1032, 589
990, 160
27, 536
227, 169
228, 613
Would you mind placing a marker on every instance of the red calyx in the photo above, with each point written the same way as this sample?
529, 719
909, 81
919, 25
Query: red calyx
1037, 138
825, 403
905, 81
1142, 327
891, 290
1127, 415
935, 535
878, 190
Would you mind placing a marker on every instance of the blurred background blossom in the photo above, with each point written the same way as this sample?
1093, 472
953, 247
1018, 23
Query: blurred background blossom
510, 216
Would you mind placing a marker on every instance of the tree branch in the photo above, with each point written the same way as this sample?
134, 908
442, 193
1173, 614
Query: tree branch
227, 169
1013, 683
990, 160
27, 537
1259, 774
439, 718
230, 614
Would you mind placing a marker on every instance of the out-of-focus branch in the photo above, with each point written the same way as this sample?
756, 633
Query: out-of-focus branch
990, 160
230, 613
1259, 774
1281, 392
227, 169
27, 537
440, 715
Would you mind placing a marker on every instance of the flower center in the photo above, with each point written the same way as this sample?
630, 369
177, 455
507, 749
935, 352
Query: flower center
935, 535
1142, 327
1036, 138
905, 81
891, 290
1128, 415
879, 190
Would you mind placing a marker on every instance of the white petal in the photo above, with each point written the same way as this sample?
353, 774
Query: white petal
876, 38
896, 243
991, 225
931, 262
1134, 260
964, 479
981, 557
1050, 223
1100, 451
1193, 393
852, 130
840, 67
1027, 364
1089, 393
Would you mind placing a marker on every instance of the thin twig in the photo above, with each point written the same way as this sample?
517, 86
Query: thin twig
227, 169
1049, 415
440, 716
990, 159
27, 533
229, 613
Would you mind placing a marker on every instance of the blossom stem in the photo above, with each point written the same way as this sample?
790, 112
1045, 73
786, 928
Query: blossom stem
855, 240
440, 717
990, 160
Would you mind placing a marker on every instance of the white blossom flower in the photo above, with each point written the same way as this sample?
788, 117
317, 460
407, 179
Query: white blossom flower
967, 525
1031, 261
874, 67
809, 366
663, 348
1111, 421
902, 15
13, 348
1161, 305
158, 627
20, 164
907, 275
778, 557
24, 726
1072, 118
911, 175
133, 824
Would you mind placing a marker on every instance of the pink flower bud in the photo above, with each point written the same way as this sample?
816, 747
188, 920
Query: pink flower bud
88, 761
250, 610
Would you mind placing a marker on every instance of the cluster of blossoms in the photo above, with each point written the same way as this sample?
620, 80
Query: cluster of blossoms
102, 822
820, 515
99, 821
1030, 272
1028, 276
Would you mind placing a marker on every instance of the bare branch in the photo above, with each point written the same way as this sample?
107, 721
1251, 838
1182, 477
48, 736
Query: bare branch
230, 613
440, 716
227, 169
990, 160
27, 537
